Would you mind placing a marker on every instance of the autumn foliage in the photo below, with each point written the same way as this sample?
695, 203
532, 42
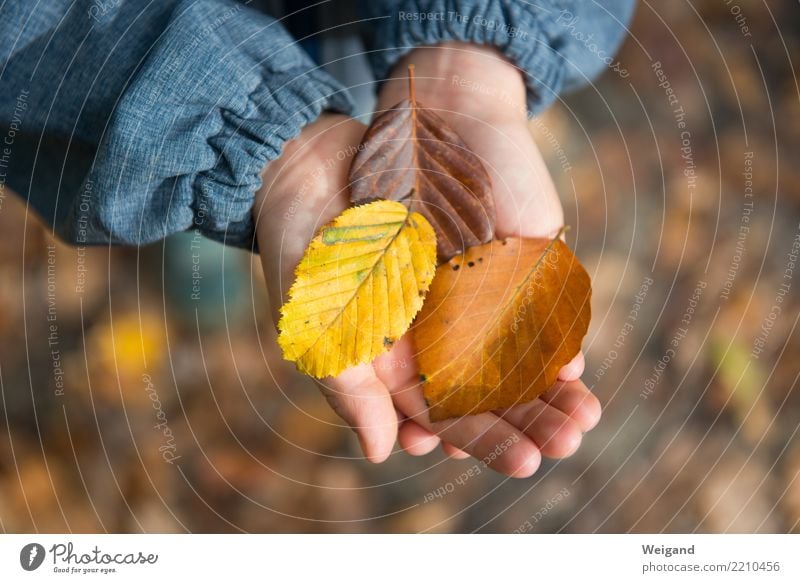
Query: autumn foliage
500, 318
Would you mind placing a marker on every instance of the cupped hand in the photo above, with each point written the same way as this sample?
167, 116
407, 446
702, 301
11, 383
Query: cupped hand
483, 97
307, 187
302, 190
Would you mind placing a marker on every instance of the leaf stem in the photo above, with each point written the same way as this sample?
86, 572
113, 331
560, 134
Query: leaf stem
411, 92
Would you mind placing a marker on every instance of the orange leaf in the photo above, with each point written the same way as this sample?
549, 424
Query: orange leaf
409, 154
498, 324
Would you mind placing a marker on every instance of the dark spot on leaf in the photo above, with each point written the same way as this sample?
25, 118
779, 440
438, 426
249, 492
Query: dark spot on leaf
422, 378
456, 266
480, 259
471, 264
388, 341
505, 242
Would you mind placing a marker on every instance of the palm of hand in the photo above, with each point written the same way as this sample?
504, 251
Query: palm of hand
383, 401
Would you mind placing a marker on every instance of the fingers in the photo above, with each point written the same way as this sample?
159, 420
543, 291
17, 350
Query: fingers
573, 370
511, 443
454, 452
558, 419
361, 399
577, 401
415, 439
486, 437
555, 433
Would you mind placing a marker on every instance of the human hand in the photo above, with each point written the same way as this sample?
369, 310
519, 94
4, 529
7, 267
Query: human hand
482, 97
302, 190
307, 187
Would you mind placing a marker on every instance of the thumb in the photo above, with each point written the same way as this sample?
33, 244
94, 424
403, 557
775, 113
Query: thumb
364, 403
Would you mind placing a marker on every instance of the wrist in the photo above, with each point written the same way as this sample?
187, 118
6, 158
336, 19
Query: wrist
304, 155
468, 79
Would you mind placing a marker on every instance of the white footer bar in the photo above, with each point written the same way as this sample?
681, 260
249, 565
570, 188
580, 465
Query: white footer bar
406, 558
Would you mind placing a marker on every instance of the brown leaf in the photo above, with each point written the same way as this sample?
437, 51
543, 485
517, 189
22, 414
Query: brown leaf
498, 324
409, 154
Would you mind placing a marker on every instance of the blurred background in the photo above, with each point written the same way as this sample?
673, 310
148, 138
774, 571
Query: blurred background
142, 389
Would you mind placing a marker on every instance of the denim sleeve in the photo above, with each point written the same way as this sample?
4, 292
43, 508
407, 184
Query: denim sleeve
131, 120
557, 44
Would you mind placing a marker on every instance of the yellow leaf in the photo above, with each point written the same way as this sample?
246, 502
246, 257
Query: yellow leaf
361, 282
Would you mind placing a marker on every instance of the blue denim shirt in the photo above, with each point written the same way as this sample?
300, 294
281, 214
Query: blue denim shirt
124, 121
